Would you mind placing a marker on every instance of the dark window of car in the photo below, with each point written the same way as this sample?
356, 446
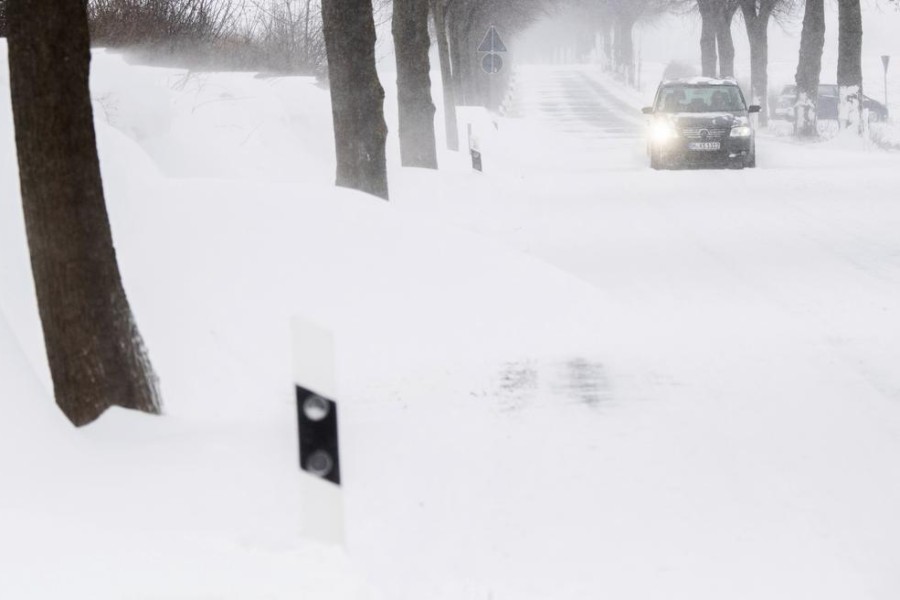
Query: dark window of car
700, 99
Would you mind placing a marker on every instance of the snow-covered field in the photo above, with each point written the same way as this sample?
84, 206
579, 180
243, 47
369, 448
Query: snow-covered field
568, 377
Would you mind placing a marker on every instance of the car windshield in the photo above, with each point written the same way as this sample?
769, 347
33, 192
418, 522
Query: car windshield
699, 99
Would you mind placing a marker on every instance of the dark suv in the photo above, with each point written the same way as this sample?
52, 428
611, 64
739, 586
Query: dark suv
702, 122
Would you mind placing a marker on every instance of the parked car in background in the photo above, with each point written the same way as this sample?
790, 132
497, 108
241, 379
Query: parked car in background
827, 107
700, 122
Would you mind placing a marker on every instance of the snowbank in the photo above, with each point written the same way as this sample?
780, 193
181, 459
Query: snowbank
567, 377
226, 225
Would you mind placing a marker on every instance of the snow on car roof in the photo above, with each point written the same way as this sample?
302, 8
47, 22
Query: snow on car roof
701, 81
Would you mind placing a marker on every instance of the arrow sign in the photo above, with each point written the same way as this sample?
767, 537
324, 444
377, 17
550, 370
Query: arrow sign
492, 42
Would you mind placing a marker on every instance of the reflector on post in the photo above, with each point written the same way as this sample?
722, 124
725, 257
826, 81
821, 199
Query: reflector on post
317, 425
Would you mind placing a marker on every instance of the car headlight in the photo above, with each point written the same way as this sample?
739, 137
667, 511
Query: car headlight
741, 131
662, 131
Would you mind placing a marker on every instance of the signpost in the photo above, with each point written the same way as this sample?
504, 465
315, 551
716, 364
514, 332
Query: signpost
491, 63
492, 46
886, 60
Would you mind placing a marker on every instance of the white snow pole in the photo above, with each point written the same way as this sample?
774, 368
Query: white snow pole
317, 420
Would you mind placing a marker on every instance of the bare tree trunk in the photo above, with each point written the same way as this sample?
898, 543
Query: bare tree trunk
411, 45
96, 355
457, 68
607, 36
357, 98
440, 28
625, 48
306, 41
725, 41
849, 74
759, 64
463, 21
709, 19
471, 62
756, 18
809, 69
459, 64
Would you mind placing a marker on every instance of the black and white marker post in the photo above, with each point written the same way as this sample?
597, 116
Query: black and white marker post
317, 420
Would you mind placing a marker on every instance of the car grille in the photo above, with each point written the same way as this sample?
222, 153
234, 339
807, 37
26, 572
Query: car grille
695, 133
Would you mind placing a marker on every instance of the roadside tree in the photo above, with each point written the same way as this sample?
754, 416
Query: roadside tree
625, 15
357, 98
96, 355
809, 69
757, 16
439, 14
409, 26
716, 41
849, 71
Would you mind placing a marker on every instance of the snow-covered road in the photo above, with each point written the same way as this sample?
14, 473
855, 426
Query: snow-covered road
569, 99
599, 381
753, 322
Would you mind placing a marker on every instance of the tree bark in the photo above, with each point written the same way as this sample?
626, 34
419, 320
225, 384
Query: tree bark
756, 18
625, 49
458, 55
606, 36
849, 73
471, 61
709, 19
409, 26
759, 64
725, 41
457, 64
809, 68
440, 28
96, 356
357, 98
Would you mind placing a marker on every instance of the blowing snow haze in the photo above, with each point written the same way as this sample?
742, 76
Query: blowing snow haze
567, 375
666, 37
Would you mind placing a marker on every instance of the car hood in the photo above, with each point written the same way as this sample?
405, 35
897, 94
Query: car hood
711, 119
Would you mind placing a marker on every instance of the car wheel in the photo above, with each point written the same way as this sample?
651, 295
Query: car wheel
656, 161
751, 158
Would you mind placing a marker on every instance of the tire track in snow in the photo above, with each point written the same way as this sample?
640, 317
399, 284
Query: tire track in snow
568, 100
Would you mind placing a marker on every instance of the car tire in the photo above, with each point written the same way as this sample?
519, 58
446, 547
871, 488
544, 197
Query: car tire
656, 161
751, 158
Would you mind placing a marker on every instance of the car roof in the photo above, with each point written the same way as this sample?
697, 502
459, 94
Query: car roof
700, 81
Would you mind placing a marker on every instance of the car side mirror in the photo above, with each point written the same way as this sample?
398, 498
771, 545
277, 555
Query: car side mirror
753, 108
647, 110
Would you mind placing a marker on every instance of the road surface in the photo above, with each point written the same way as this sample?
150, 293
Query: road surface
750, 394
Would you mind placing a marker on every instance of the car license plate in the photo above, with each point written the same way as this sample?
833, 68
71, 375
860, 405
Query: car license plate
703, 146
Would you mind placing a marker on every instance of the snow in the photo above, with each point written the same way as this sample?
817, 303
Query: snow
704, 81
566, 377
